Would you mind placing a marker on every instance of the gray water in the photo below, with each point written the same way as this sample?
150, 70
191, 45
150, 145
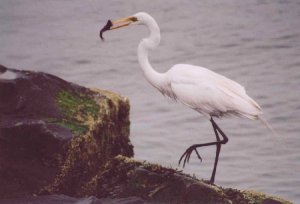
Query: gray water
256, 43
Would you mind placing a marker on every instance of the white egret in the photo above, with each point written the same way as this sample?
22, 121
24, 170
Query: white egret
201, 89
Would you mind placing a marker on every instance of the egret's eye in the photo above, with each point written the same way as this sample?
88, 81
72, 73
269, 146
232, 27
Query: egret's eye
133, 19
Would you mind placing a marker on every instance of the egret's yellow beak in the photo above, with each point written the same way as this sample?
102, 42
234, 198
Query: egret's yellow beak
117, 24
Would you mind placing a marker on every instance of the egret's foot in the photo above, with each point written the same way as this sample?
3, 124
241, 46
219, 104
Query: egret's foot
210, 182
187, 154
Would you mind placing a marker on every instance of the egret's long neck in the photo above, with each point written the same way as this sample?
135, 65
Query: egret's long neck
146, 44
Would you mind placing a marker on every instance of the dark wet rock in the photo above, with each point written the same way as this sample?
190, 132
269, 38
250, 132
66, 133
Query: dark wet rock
54, 134
60, 138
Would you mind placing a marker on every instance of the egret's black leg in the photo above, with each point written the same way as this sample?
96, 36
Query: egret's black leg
186, 155
212, 178
224, 141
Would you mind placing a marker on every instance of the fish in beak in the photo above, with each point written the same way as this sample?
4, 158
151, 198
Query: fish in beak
117, 24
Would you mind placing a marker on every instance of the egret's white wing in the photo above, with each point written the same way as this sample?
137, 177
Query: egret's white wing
210, 93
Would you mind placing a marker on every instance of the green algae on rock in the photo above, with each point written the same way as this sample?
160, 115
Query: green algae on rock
77, 109
81, 105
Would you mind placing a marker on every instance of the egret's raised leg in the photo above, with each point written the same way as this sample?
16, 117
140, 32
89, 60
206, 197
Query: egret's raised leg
186, 155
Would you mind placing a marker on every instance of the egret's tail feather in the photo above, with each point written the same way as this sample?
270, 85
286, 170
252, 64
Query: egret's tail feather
265, 123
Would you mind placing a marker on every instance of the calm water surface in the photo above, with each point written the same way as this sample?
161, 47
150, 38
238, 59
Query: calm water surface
256, 43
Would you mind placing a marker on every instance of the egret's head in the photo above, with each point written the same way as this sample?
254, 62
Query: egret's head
138, 18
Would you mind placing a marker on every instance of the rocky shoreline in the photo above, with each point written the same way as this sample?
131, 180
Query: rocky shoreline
57, 137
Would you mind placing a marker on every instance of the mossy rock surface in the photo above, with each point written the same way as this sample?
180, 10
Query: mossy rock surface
54, 134
125, 177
